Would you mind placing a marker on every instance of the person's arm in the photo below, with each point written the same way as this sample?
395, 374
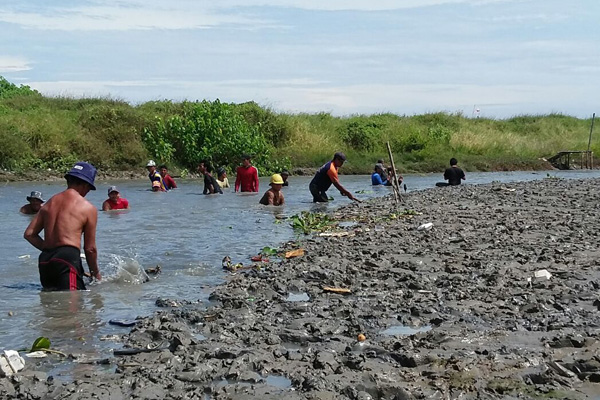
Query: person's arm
463, 177
172, 183
32, 233
281, 198
343, 190
89, 243
105, 206
126, 204
255, 179
23, 210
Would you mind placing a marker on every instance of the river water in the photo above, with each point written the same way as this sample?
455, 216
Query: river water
183, 231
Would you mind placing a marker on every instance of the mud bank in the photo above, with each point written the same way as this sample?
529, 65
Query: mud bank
454, 311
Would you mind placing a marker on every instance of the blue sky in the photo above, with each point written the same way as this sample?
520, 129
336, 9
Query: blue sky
503, 57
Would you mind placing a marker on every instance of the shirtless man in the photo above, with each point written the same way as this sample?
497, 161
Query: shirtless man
35, 203
273, 196
64, 218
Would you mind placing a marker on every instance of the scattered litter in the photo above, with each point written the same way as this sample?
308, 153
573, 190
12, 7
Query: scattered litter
259, 258
336, 290
10, 313
112, 338
294, 253
25, 256
361, 337
10, 363
36, 354
122, 322
542, 274
425, 227
336, 234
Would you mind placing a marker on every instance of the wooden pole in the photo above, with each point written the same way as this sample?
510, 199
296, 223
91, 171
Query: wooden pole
590, 140
397, 184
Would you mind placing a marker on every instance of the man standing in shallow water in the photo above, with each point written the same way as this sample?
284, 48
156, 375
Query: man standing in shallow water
35, 203
64, 218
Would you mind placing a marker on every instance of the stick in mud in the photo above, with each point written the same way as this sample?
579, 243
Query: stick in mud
396, 187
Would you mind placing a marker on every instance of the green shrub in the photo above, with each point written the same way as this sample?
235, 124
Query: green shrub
8, 90
361, 134
210, 131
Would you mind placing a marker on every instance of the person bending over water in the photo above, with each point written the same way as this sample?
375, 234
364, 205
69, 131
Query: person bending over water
35, 203
64, 218
274, 196
325, 177
211, 186
114, 201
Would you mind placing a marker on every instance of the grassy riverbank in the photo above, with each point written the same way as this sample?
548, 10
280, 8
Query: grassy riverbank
41, 133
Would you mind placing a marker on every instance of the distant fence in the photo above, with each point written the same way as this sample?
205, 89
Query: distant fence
581, 159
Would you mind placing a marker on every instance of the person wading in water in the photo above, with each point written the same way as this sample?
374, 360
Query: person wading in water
64, 218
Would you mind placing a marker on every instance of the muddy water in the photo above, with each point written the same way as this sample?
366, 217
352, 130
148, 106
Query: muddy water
184, 232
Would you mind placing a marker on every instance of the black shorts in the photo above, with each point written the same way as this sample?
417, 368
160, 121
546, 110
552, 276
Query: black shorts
61, 269
319, 196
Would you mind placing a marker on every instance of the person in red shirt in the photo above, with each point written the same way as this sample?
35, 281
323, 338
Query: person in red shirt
167, 179
246, 177
114, 201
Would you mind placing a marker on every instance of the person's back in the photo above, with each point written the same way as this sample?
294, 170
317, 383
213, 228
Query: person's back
64, 218
454, 175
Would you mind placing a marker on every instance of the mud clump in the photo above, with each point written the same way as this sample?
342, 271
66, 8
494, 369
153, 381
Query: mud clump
448, 312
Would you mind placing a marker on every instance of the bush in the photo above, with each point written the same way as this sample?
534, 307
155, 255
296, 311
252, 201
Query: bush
9, 90
210, 131
361, 134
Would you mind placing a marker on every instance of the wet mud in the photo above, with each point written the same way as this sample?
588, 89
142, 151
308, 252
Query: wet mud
451, 311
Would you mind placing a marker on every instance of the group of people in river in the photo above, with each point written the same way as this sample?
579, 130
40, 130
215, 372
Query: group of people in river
67, 216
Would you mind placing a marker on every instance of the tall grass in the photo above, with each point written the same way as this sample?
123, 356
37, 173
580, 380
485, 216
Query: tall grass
52, 132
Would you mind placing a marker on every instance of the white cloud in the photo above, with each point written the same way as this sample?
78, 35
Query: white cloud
186, 14
13, 64
116, 17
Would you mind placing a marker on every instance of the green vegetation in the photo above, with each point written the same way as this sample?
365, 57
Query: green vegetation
307, 222
38, 132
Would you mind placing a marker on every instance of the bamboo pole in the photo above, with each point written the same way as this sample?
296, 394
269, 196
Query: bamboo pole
396, 184
589, 154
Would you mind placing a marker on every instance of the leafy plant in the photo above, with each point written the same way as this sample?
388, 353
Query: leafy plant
268, 251
41, 343
306, 222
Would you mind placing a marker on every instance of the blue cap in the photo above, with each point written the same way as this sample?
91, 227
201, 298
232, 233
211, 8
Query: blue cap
84, 171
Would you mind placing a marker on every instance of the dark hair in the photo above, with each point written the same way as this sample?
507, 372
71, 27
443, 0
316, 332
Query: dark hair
246, 157
206, 165
285, 172
453, 161
380, 161
339, 156
221, 170
163, 166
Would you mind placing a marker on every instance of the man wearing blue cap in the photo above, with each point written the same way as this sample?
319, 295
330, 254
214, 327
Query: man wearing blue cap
64, 218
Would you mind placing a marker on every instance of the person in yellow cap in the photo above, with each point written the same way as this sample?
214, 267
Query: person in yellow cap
273, 196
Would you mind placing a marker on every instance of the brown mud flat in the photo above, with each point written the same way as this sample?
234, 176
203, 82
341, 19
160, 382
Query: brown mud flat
448, 312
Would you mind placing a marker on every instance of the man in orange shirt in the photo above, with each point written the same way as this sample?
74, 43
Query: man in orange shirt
325, 177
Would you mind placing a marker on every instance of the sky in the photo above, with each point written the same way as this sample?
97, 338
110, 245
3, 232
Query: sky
488, 58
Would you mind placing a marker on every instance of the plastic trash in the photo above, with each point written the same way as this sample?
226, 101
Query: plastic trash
122, 322
542, 274
425, 227
10, 363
